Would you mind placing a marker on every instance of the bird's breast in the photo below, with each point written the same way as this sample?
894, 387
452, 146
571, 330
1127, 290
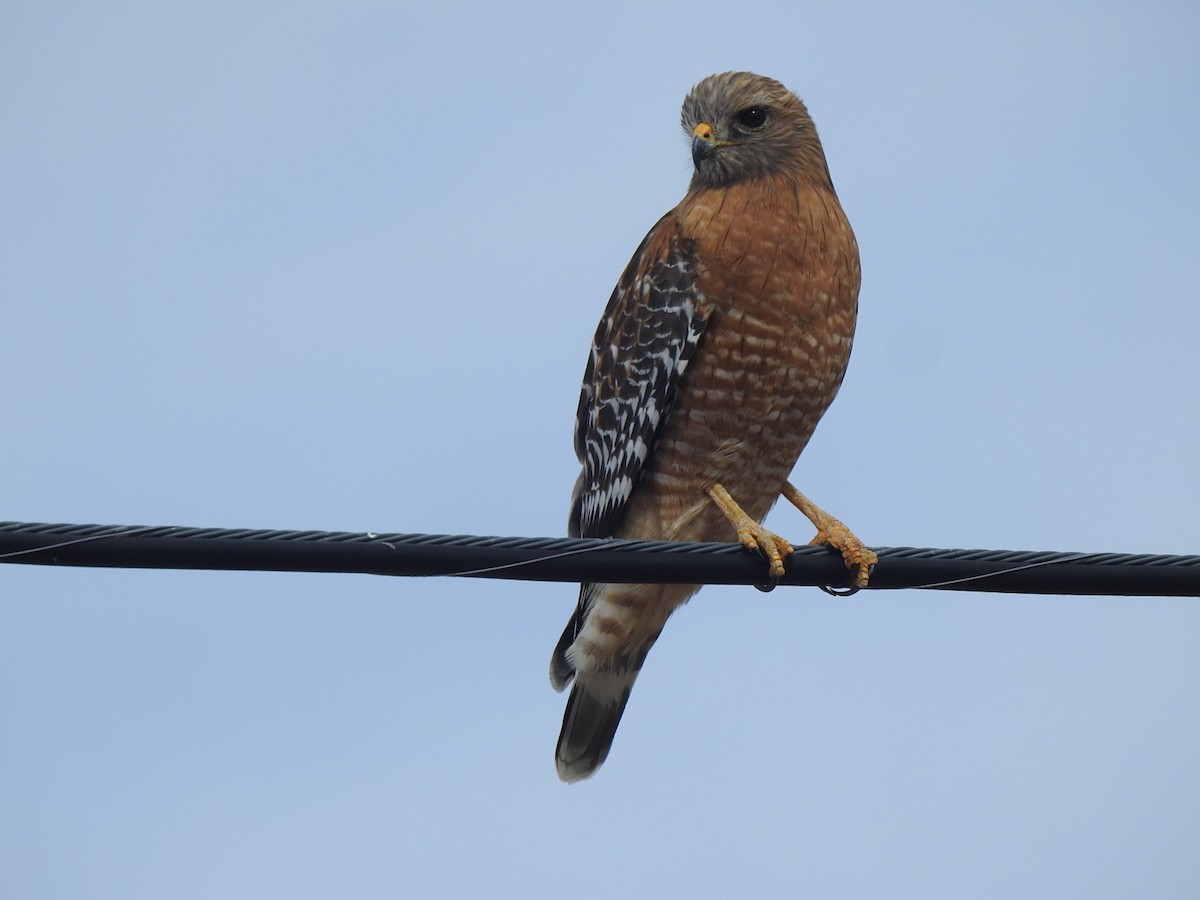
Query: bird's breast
779, 271
778, 265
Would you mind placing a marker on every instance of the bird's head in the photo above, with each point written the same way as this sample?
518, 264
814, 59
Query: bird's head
745, 126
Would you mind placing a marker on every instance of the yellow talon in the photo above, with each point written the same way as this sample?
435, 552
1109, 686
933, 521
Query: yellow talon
832, 533
751, 534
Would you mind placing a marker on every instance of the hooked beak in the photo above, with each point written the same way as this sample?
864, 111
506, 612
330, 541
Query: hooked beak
705, 143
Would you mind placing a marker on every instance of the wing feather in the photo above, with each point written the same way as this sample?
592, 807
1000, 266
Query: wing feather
649, 332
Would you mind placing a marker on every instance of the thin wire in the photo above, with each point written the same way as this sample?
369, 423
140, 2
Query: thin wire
1057, 560
501, 567
122, 531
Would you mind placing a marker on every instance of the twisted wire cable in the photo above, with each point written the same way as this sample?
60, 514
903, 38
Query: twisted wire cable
597, 560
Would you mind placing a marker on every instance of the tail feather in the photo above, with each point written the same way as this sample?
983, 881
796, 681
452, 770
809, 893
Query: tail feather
561, 667
603, 653
590, 722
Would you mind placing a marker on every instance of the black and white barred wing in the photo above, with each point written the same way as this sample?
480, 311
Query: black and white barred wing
642, 347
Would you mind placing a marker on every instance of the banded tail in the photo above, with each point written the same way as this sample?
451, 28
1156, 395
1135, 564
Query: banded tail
603, 648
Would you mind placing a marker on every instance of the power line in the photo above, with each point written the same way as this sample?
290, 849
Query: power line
573, 560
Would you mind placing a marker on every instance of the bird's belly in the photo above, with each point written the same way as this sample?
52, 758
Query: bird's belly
753, 396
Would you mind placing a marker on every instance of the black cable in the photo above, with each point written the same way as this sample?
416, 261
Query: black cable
566, 559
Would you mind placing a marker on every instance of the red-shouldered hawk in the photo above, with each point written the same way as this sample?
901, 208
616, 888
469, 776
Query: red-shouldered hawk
723, 344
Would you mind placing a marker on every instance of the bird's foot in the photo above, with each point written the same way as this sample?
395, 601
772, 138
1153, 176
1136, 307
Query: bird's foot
751, 534
832, 533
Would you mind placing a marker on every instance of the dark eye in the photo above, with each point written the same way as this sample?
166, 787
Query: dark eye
754, 117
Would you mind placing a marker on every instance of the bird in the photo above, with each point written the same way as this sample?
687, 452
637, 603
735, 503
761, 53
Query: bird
724, 341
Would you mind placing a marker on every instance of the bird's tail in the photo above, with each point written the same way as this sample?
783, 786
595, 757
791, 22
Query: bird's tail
603, 655
590, 722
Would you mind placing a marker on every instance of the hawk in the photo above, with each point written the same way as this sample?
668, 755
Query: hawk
722, 346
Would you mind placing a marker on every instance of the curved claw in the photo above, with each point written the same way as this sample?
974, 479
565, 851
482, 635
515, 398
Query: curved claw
751, 534
857, 556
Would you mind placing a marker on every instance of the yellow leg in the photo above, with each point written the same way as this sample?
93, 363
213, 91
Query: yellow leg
833, 533
751, 534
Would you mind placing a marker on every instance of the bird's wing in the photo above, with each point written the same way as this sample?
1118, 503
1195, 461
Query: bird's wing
649, 332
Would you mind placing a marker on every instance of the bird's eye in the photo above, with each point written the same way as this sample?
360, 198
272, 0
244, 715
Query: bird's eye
754, 117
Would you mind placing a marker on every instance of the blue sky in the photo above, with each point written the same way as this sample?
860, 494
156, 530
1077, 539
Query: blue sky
337, 267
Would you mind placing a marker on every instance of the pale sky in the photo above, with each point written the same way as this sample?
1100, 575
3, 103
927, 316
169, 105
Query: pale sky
338, 266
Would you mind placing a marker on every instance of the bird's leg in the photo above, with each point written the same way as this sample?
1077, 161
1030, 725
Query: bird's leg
751, 534
833, 533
